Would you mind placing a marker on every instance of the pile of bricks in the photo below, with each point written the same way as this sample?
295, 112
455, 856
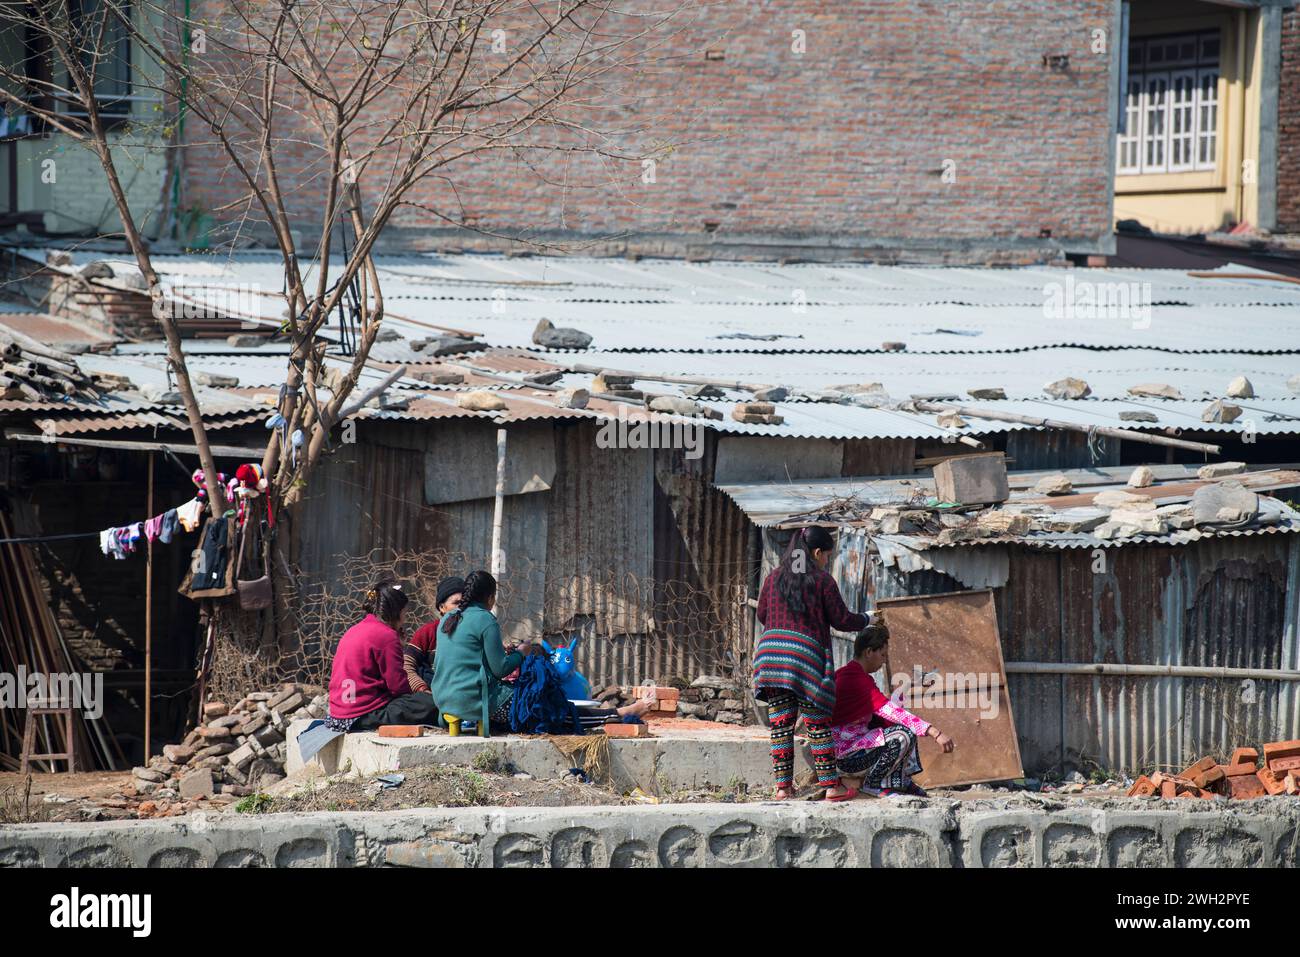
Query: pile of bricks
236, 751
1240, 778
707, 698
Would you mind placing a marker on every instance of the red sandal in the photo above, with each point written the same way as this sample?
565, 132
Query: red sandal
848, 795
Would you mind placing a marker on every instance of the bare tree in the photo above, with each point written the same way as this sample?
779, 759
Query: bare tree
329, 114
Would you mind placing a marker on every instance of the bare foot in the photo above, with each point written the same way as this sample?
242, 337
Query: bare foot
641, 707
838, 791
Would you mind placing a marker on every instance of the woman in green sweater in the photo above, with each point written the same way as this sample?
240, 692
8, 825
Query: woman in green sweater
470, 640
470, 643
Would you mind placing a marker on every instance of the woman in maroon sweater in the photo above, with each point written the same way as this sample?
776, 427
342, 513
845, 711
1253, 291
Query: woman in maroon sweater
368, 686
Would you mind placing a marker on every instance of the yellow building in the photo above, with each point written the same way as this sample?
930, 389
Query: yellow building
1196, 149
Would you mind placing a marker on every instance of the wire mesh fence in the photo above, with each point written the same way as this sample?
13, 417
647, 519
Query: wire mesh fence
628, 630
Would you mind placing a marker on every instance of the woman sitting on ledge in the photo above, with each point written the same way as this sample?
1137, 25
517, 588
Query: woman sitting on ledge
368, 686
470, 638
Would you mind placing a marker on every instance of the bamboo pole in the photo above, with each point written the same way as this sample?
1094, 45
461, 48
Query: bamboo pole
498, 507
1124, 434
148, 619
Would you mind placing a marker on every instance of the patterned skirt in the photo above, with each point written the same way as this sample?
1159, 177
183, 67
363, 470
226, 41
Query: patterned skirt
786, 661
889, 766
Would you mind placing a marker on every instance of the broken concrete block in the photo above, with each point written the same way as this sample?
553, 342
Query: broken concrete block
859, 388
1056, 484
549, 336
1082, 519
156, 393
1219, 469
438, 376
950, 420
197, 784
1141, 477
1068, 388
480, 400
1220, 411
774, 393
1136, 415
243, 341
1224, 502
979, 479
386, 334
149, 775
893, 347
1176, 516
704, 392
611, 382
572, 398
1116, 498
987, 393
675, 405
177, 753
216, 381
1241, 388
1155, 390
999, 522
756, 408
1143, 522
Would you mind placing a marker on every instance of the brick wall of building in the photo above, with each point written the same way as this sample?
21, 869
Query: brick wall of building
838, 151
1288, 144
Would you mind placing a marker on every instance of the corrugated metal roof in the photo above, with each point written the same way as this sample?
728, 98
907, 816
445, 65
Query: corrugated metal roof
770, 504
680, 306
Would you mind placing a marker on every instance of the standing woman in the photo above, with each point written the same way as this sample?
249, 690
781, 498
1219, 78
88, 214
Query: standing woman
793, 667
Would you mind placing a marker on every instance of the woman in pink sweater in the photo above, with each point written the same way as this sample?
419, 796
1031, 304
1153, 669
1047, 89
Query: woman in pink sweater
368, 686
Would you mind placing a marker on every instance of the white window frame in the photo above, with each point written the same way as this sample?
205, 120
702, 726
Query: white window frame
1155, 141
1170, 131
1130, 141
1181, 117
1210, 101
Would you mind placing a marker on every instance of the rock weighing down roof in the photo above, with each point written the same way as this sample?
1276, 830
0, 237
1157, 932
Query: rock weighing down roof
1180, 506
852, 343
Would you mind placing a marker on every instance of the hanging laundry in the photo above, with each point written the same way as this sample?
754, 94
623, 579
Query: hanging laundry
109, 545
152, 528
167, 527
190, 514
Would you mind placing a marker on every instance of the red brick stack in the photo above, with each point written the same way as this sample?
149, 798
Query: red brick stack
1241, 778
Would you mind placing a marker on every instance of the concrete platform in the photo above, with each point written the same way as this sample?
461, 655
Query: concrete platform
1009, 832
681, 754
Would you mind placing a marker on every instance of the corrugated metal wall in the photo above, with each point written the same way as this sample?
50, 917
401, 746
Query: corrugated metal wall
1227, 602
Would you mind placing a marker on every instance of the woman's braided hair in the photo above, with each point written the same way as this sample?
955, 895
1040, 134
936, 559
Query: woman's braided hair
480, 586
796, 573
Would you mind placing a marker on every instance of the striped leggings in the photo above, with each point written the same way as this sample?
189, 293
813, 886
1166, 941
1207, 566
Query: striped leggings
782, 713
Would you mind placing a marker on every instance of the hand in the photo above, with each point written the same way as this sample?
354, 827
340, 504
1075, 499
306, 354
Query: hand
941, 739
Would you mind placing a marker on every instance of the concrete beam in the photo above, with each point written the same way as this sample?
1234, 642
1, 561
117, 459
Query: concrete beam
1022, 831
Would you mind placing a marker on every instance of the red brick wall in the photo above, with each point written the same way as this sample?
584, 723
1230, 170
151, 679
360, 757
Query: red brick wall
1288, 142
837, 150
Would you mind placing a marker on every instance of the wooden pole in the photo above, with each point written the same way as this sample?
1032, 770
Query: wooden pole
498, 508
1125, 434
148, 619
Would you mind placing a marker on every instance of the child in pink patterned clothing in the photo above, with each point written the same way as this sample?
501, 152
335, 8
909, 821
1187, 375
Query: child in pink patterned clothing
873, 736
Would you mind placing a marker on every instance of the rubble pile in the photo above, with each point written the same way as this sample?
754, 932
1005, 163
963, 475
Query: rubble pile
237, 751
707, 698
1239, 778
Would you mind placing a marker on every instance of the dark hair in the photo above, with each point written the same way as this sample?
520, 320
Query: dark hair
795, 573
479, 587
386, 600
871, 638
